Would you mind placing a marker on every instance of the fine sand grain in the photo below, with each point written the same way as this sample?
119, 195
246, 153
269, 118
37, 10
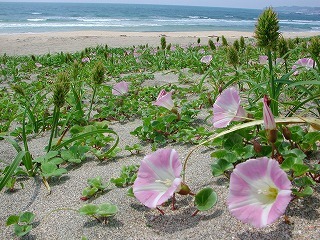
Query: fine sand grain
42, 43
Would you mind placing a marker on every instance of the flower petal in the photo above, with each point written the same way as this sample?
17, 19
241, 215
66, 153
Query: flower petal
268, 119
164, 99
259, 191
227, 108
120, 88
158, 177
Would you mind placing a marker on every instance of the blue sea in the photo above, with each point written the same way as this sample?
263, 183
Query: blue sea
50, 17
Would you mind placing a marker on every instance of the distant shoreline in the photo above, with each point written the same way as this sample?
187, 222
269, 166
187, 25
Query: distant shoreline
53, 42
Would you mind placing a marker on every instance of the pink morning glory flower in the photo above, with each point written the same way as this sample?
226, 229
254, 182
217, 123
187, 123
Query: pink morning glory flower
120, 88
158, 177
260, 191
303, 62
164, 99
227, 108
263, 59
206, 59
268, 118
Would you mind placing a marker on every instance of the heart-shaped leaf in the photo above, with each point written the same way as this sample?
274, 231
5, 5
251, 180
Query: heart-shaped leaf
107, 210
205, 199
88, 209
13, 219
27, 217
22, 230
308, 191
220, 167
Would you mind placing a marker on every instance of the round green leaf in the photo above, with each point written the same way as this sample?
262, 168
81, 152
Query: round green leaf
205, 199
88, 209
13, 219
22, 230
107, 210
27, 217
220, 166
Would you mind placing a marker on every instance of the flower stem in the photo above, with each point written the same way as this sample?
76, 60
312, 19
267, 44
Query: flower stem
162, 212
173, 201
27, 159
55, 119
91, 103
195, 213
274, 103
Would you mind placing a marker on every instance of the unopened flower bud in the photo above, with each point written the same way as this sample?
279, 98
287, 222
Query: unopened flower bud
286, 133
175, 111
184, 189
272, 135
250, 115
257, 146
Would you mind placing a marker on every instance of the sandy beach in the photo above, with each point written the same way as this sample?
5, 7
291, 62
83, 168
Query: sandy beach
134, 221
53, 42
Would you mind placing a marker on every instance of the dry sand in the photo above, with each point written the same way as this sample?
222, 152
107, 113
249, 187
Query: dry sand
42, 43
133, 221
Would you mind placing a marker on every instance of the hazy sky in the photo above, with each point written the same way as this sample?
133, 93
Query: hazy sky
214, 3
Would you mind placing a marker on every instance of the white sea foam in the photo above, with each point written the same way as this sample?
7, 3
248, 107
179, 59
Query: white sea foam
36, 19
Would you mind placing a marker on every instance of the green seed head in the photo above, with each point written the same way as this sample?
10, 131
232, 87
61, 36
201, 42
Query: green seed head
58, 95
267, 29
283, 47
236, 45
242, 43
211, 45
291, 44
163, 43
18, 89
314, 47
169, 47
98, 73
60, 90
233, 57
224, 41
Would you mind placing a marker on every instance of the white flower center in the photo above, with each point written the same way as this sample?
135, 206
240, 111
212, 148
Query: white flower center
268, 194
166, 182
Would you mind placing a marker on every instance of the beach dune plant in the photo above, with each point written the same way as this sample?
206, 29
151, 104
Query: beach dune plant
22, 223
159, 179
267, 35
97, 79
267, 168
60, 90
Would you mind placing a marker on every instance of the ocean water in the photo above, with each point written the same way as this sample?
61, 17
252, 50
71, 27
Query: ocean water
50, 17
